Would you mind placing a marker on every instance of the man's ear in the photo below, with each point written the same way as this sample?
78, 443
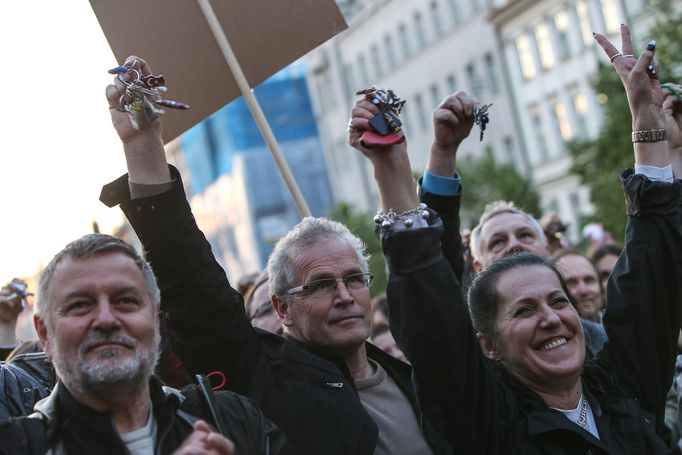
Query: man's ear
282, 309
488, 347
41, 330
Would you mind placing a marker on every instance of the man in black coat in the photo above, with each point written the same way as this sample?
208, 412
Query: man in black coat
97, 319
329, 390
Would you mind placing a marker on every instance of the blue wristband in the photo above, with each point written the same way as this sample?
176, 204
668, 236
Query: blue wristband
442, 186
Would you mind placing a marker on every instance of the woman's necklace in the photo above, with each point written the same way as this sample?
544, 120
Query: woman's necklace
582, 420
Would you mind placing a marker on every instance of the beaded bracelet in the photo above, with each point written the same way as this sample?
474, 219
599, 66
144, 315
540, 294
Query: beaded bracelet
658, 135
419, 217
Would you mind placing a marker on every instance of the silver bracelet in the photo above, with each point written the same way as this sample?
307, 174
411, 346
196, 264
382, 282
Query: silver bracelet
650, 135
410, 219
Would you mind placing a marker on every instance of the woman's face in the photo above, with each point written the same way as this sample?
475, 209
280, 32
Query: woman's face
538, 335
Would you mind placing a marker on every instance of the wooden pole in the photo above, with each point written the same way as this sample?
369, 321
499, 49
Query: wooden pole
254, 107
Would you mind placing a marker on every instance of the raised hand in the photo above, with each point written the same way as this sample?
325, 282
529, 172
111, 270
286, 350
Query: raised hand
361, 114
143, 147
453, 119
116, 95
392, 170
204, 441
645, 96
640, 79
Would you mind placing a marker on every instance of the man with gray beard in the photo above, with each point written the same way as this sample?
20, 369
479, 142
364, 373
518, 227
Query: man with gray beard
97, 319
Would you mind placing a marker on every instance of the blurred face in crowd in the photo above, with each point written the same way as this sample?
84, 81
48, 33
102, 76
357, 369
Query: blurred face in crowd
583, 282
386, 343
605, 266
263, 314
505, 234
538, 336
100, 329
328, 313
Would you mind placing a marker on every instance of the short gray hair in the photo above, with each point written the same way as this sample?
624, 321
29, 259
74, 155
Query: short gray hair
86, 247
305, 233
495, 208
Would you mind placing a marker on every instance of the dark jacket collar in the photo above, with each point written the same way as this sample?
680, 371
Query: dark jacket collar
61, 403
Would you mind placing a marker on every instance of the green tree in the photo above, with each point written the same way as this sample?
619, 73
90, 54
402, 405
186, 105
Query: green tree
667, 31
486, 180
362, 225
598, 162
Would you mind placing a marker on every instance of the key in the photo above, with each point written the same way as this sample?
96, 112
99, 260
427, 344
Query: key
481, 118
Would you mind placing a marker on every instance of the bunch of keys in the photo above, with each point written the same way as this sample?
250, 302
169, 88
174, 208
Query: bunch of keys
481, 117
143, 94
387, 122
19, 291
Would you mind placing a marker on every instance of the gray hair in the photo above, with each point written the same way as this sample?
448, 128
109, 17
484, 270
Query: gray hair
305, 233
495, 208
86, 247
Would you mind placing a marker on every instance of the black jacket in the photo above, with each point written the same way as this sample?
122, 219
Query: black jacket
25, 380
482, 409
61, 421
307, 392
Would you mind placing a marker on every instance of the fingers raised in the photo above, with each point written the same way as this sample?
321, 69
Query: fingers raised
626, 40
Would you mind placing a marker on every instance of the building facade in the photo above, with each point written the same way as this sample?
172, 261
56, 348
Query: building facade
237, 195
535, 60
423, 50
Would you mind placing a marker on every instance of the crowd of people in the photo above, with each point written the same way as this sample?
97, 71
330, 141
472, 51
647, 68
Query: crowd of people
498, 340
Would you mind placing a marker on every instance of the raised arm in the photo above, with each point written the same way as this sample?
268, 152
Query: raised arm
429, 318
645, 289
206, 316
440, 187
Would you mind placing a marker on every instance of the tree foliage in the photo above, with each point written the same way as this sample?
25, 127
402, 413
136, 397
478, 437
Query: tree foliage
598, 162
486, 180
362, 225
667, 31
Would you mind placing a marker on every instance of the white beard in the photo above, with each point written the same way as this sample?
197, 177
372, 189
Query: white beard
112, 370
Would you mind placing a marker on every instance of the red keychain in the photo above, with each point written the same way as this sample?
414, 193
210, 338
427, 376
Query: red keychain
386, 125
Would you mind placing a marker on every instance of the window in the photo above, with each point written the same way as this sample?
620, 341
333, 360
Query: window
436, 18
536, 120
581, 107
509, 148
562, 122
451, 84
376, 60
404, 41
612, 18
575, 204
435, 95
584, 20
545, 50
422, 116
390, 51
473, 80
553, 206
363, 72
454, 11
561, 24
352, 86
491, 72
419, 30
523, 48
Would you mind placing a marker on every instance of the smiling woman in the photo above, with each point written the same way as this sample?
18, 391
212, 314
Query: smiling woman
506, 374
525, 320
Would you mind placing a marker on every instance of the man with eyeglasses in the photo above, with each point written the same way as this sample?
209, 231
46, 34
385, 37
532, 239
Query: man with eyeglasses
329, 390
